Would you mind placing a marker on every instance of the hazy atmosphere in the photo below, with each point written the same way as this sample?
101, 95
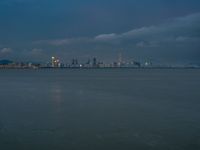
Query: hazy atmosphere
163, 31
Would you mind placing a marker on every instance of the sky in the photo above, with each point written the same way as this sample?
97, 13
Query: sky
161, 31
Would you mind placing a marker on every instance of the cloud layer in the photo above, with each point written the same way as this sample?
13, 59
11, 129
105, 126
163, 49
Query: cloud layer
176, 39
176, 30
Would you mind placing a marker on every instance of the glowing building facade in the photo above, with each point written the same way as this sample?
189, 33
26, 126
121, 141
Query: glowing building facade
55, 62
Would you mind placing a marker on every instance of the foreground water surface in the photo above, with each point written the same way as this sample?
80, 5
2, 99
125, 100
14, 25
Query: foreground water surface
100, 109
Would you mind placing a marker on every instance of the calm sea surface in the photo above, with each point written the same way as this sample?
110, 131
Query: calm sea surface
100, 109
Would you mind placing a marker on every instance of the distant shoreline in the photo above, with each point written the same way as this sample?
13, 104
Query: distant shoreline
94, 68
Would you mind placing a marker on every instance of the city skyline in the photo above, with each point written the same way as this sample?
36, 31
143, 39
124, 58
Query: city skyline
163, 31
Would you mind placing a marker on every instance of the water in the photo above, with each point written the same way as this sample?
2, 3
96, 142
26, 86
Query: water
103, 109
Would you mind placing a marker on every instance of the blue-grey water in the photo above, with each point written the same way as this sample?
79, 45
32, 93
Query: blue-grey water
100, 109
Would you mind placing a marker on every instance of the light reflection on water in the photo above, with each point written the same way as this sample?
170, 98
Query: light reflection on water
56, 95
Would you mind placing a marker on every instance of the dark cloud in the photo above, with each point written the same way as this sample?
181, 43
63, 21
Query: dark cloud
179, 33
182, 29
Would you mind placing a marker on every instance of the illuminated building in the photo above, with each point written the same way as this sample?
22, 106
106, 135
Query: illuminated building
55, 62
119, 64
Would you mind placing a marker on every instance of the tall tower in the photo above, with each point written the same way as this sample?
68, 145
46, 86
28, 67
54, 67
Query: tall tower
94, 62
53, 59
119, 59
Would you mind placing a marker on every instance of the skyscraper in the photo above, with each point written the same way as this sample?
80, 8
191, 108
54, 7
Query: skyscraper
94, 62
55, 62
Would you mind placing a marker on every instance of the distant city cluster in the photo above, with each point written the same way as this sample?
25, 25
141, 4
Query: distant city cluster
90, 63
54, 62
93, 63
7, 64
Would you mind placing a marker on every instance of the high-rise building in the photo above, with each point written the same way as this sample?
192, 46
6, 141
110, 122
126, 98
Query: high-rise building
74, 63
55, 62
120, 61
94, 62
